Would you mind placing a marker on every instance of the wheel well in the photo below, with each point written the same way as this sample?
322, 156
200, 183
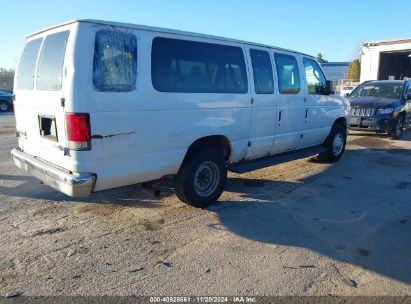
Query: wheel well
342, 121
217, 142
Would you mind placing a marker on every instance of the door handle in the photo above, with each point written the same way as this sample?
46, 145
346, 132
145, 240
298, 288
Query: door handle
306, 113
279, 116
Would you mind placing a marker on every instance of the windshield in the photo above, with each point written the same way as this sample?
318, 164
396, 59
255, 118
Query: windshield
386, 90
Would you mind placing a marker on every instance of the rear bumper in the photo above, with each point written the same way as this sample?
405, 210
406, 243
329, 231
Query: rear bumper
79, 185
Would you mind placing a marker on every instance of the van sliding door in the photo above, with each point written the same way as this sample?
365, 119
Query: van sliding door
263, 103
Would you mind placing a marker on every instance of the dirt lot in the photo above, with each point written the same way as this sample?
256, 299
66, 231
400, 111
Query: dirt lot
301, 228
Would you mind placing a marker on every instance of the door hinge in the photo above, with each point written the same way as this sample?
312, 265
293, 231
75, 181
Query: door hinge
63, 102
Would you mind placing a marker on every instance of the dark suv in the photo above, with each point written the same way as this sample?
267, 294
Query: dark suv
382, 106
6, 101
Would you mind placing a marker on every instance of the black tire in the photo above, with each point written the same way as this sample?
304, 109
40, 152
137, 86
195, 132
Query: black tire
192, 177
334, 152
4, 106
398, 128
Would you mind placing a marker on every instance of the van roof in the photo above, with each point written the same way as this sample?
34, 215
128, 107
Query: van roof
163, 30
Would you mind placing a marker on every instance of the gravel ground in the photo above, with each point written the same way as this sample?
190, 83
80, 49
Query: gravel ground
300, 228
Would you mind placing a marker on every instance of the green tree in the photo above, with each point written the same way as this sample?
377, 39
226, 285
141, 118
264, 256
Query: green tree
320, 58
354, 71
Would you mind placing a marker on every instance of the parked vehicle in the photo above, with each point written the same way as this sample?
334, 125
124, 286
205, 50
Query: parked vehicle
115, 104
6, 101
381, 106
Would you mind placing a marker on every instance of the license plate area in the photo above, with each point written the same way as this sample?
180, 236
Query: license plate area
355, 121
48, 128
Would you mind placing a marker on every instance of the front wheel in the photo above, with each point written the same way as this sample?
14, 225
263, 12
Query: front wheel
335, 144
4, 106
398, 128
201, 179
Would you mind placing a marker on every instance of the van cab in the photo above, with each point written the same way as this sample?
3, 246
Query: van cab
101, 105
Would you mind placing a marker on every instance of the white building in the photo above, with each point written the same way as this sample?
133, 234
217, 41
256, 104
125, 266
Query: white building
383, 60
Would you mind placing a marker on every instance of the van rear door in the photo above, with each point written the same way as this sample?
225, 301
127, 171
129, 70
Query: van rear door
39, 91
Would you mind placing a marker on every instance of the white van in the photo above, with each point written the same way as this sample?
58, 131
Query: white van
101, 105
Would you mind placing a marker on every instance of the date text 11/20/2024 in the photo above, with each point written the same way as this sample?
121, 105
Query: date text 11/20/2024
203, 299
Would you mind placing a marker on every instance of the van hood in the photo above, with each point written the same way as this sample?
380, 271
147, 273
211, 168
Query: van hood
373, 102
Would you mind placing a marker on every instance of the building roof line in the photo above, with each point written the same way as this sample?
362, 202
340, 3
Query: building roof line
387, 42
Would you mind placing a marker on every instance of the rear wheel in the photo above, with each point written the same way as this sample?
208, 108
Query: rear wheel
398, 128
4, 106
335, 144
201, 179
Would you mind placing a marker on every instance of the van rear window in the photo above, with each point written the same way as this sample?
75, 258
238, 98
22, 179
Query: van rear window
51, 61
197, 67
27, 65
115, 61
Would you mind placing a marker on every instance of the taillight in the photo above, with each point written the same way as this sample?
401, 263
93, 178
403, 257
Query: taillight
78, 131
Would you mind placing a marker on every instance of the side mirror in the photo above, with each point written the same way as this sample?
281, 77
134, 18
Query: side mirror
329, 87
346, 95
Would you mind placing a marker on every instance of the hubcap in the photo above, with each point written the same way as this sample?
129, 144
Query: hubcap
206, 178
3, 107
338, 144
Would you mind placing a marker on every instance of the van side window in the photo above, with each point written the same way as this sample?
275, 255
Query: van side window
315, 77
115, 61
262, 71
27, 65
197, 67
288, 75
50, 66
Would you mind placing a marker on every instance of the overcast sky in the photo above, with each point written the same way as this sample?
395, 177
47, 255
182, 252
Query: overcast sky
334, 28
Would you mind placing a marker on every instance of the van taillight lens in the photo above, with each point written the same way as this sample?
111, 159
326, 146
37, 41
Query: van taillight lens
78, 131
